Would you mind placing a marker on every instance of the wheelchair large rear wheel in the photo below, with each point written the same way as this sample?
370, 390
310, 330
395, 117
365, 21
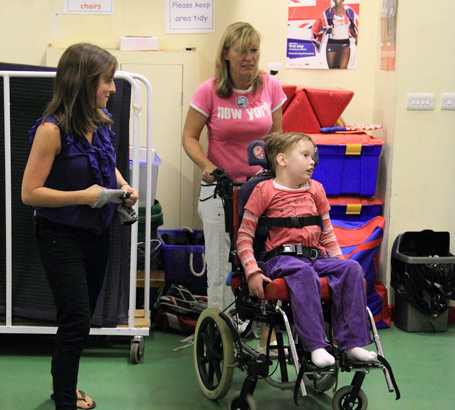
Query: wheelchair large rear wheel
340, 399
213, 354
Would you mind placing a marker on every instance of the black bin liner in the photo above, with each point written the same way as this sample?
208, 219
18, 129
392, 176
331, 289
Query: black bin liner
423, 271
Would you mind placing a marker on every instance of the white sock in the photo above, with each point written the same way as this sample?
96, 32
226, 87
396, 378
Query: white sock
322, 358
363, 355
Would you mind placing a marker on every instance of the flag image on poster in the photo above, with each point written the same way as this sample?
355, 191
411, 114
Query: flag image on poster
322, 34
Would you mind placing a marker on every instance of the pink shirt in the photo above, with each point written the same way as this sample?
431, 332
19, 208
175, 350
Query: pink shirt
269, 200
236, 121
275, 202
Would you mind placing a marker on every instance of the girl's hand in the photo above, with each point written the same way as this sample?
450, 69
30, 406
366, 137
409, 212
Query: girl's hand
134, 195
92, 193
256, 284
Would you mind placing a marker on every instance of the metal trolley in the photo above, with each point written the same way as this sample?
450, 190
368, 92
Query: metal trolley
138, 321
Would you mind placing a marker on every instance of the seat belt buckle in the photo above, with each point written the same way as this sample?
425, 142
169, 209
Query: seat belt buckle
314, 253
288, 248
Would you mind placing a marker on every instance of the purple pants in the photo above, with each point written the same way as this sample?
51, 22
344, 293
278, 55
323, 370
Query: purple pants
345, 278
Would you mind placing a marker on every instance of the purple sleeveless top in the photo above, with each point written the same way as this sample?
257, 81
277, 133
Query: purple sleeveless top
78, 166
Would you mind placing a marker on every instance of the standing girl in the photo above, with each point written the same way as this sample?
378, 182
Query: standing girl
71, 160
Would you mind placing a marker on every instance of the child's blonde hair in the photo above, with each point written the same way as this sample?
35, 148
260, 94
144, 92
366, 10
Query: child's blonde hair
282, 142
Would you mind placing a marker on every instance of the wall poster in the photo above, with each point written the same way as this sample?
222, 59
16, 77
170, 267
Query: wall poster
190, 16
388, 30
87, 7
322, 34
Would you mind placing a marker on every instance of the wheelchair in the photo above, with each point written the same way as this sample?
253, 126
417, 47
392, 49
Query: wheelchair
220, 345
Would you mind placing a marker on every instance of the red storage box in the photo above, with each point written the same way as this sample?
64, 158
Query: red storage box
354, 208
348, 163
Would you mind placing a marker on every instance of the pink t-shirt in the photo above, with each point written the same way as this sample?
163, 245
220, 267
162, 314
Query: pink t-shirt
236, 121
274, 202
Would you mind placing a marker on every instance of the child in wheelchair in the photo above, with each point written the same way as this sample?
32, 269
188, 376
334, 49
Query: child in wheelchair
299, 254
287, 267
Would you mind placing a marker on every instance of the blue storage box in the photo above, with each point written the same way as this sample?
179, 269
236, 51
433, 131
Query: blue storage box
354, 208
348, 163
184, 264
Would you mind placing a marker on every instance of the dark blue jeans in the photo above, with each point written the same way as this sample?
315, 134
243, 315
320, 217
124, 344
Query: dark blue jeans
75, 262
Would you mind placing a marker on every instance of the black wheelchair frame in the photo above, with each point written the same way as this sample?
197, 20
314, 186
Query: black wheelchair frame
220, 346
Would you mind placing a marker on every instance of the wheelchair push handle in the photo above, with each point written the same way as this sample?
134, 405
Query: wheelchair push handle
219, 174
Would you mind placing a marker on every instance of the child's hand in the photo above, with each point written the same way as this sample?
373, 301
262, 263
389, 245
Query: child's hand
256, 285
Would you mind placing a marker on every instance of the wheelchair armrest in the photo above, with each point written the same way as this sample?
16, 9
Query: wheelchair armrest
279, 290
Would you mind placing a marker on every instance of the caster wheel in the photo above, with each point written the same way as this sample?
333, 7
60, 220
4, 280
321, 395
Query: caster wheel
256, 329
213, 354
137, 350
341, 397
248, 404
320, 383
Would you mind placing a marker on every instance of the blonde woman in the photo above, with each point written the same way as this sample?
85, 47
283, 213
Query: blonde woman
239, 104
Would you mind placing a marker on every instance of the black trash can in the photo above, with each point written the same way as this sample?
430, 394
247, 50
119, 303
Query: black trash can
423, 276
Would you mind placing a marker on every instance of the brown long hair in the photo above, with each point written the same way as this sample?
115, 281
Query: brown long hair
74, 101
247, 35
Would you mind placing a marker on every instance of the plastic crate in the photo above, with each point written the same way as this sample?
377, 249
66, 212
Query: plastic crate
156, 162
184, 264
354, 208
348, 163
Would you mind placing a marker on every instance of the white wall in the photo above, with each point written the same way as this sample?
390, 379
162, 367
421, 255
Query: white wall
417, 170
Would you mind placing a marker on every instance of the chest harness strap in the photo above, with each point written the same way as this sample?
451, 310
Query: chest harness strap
291, 221
293, 249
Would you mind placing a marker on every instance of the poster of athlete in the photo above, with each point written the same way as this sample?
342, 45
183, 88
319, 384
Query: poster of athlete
322, 34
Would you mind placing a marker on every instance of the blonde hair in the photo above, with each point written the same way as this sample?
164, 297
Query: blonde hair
282, 142
247, 35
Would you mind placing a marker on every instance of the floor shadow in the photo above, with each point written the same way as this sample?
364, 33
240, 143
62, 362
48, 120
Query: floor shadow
45, 405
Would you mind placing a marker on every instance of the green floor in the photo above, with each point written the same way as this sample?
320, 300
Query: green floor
424, 364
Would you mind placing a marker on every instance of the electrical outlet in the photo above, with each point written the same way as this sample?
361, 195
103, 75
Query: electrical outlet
420, 101
275, 69
448, 101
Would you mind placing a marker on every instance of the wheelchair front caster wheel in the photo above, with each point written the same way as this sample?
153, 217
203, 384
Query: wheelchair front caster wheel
320, 383
137, 349
248, 404
341, 400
